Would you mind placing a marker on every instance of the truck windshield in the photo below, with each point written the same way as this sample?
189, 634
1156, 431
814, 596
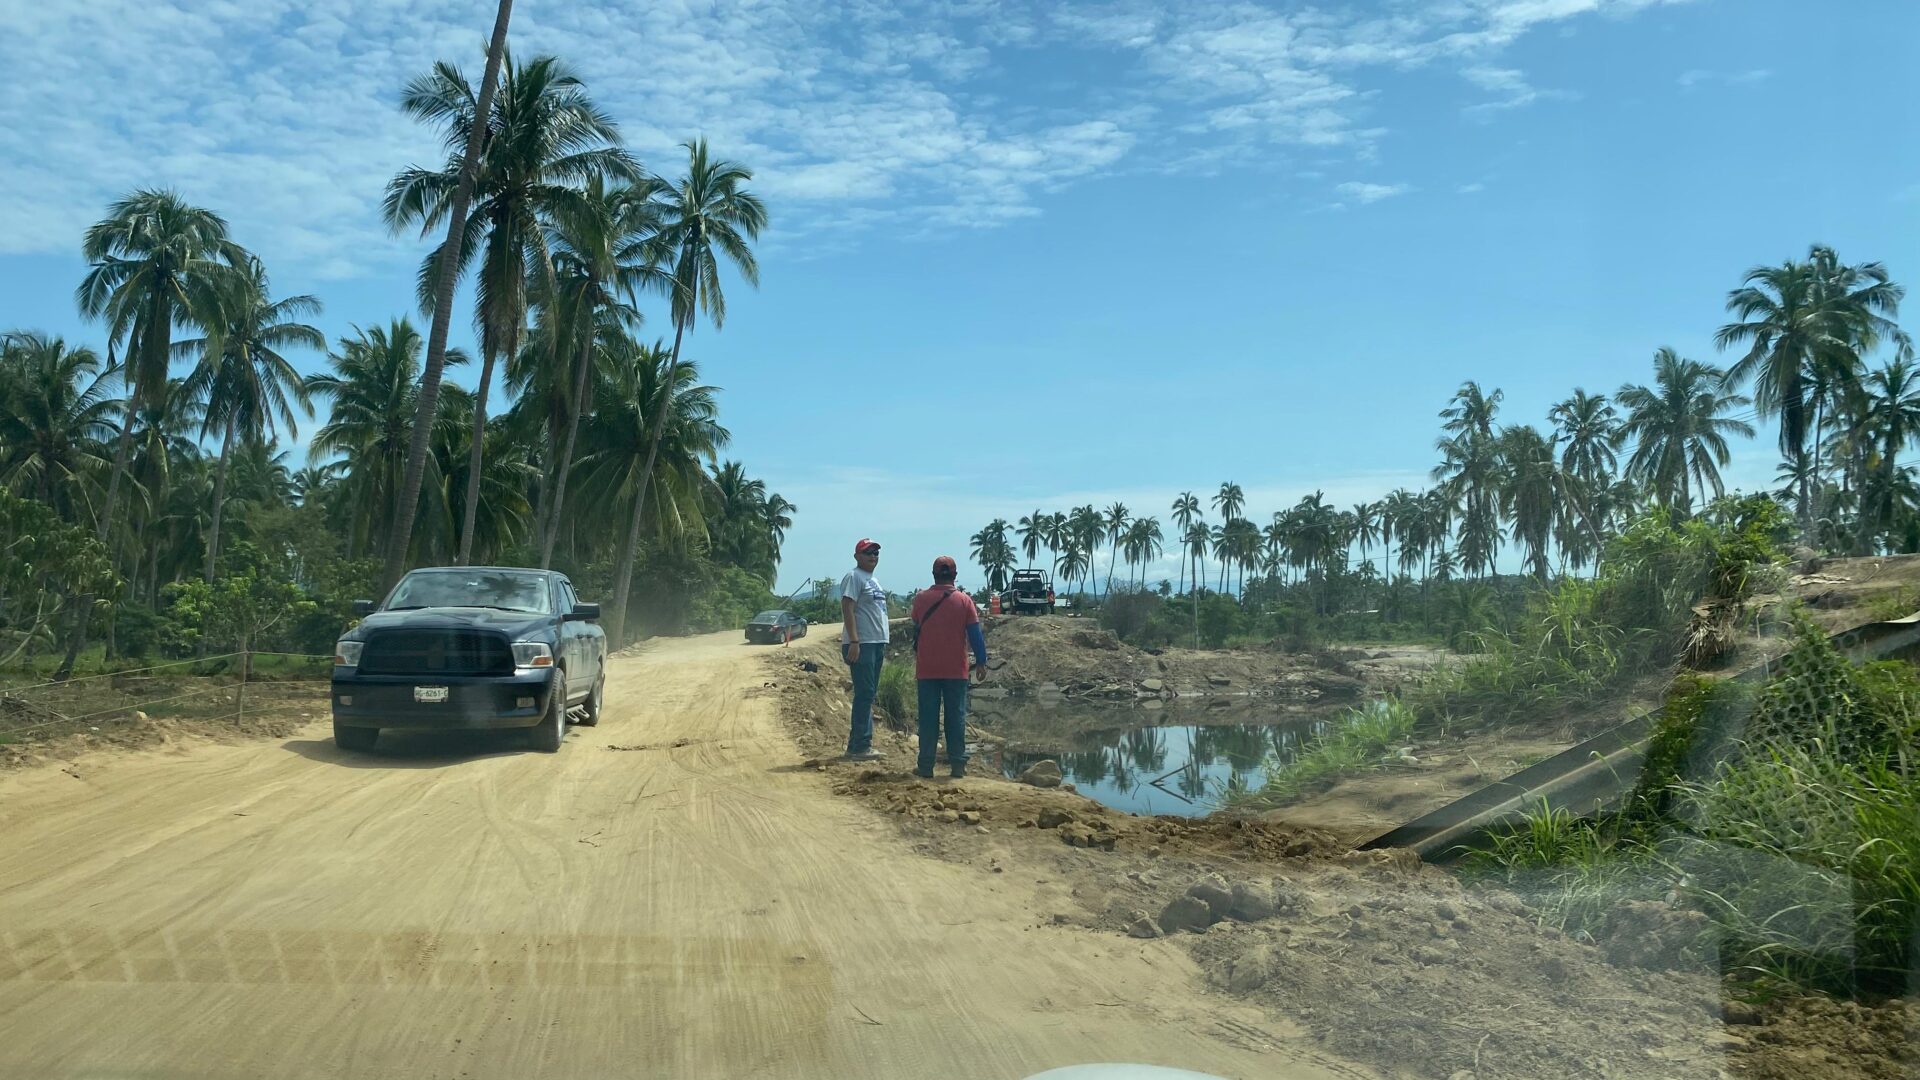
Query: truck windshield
506, 590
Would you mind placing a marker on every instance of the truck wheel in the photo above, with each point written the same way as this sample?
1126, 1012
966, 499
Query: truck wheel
590, 715
354, 738
552, 729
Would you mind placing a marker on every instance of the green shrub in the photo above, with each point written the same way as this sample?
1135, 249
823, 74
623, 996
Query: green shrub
1809, 864
899, 692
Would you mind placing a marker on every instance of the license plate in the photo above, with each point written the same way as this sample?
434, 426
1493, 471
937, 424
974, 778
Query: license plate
429, 693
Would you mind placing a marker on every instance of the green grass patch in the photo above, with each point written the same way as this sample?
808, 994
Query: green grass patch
899, 692
1353, 744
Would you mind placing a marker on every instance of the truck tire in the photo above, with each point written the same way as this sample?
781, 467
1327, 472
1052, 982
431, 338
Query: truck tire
590, 713
547, 736
354, 738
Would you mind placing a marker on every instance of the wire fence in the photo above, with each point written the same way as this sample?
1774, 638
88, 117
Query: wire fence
221, 688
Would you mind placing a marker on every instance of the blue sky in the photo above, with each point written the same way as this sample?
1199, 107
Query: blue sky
1201, 241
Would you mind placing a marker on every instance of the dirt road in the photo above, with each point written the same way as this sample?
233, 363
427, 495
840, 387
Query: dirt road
670, 895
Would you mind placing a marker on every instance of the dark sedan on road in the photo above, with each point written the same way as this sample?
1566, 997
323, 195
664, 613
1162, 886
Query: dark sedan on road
471, 647
774, 626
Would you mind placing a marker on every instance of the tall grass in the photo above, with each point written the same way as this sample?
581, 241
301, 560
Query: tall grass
1355, 742
899, 694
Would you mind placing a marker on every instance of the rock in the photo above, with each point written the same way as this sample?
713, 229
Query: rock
1446, 910
139, 717
1249, 972
1219, 680
1427, 955
1042, 774
1186, 913
1741, 1012
1251, 904
1153, 686
970, 817
1053, 819
1081, 836
1213, 891
1144, 927
949, 816
808, 665
1067, 785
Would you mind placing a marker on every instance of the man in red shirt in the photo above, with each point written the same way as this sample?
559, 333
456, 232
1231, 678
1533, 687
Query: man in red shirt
946, 623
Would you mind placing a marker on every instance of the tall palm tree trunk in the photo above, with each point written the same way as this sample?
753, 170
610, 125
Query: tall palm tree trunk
476, 454
219, 500
624, 576
409, 495
585, 366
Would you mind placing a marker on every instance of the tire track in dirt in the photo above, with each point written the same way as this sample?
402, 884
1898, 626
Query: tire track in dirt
453, 907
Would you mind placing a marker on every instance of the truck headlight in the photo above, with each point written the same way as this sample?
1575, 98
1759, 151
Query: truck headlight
532, 654
347, 653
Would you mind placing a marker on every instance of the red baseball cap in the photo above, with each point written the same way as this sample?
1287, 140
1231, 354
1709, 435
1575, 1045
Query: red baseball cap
865, 545
944, 566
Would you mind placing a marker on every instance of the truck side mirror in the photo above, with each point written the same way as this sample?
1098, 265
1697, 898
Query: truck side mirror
582, 613
363, 608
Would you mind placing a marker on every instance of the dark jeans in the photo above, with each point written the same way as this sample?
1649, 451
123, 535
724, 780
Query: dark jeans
952, 693
866, 683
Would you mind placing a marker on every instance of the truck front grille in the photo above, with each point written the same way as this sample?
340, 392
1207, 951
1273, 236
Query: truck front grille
436, 652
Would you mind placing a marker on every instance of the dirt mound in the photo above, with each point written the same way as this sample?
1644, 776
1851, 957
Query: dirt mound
1817, 1038
1081, 659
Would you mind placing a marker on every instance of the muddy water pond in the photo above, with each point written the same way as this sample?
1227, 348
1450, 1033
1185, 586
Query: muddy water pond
1146, 757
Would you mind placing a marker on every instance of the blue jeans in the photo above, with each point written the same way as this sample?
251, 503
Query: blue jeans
866, 684
953, 694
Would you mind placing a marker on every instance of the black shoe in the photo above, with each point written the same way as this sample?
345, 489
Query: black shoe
959, 773
924, 774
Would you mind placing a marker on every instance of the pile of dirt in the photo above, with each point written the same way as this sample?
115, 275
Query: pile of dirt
1816, 1038
1080, 659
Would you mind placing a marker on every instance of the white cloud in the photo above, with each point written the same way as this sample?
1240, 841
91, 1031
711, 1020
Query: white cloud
1470, 189
854, 113
1510, 87
1365, 193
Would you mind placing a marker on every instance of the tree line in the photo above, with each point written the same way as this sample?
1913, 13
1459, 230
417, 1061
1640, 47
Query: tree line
172, 450
1805, 332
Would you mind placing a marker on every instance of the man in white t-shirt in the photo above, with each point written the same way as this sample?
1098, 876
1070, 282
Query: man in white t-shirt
863, 644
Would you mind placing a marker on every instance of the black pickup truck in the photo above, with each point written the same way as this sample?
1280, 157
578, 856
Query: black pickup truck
470, 647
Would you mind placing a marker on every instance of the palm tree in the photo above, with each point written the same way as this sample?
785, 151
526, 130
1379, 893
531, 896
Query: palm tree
1117, 519
600, 256
644, 384
1056, 533
1186, 511
993, 552
1679, 430
249, 387
1530, 492
454, 248
1472, 410
375, 388
1085, 527
706, 215
1074, 561
1399, 512
1229, 500
1889, 422
1366, 525
1143, 541
155, 263
57, 412
1033, 534
544, 135
1589, 428
1808, 326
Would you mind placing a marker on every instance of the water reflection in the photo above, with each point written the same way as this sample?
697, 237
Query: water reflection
1166, 761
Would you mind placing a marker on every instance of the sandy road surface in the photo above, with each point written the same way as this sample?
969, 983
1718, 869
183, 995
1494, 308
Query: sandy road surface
457, 907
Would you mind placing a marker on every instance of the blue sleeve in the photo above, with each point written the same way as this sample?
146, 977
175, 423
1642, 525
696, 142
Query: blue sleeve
978, 640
